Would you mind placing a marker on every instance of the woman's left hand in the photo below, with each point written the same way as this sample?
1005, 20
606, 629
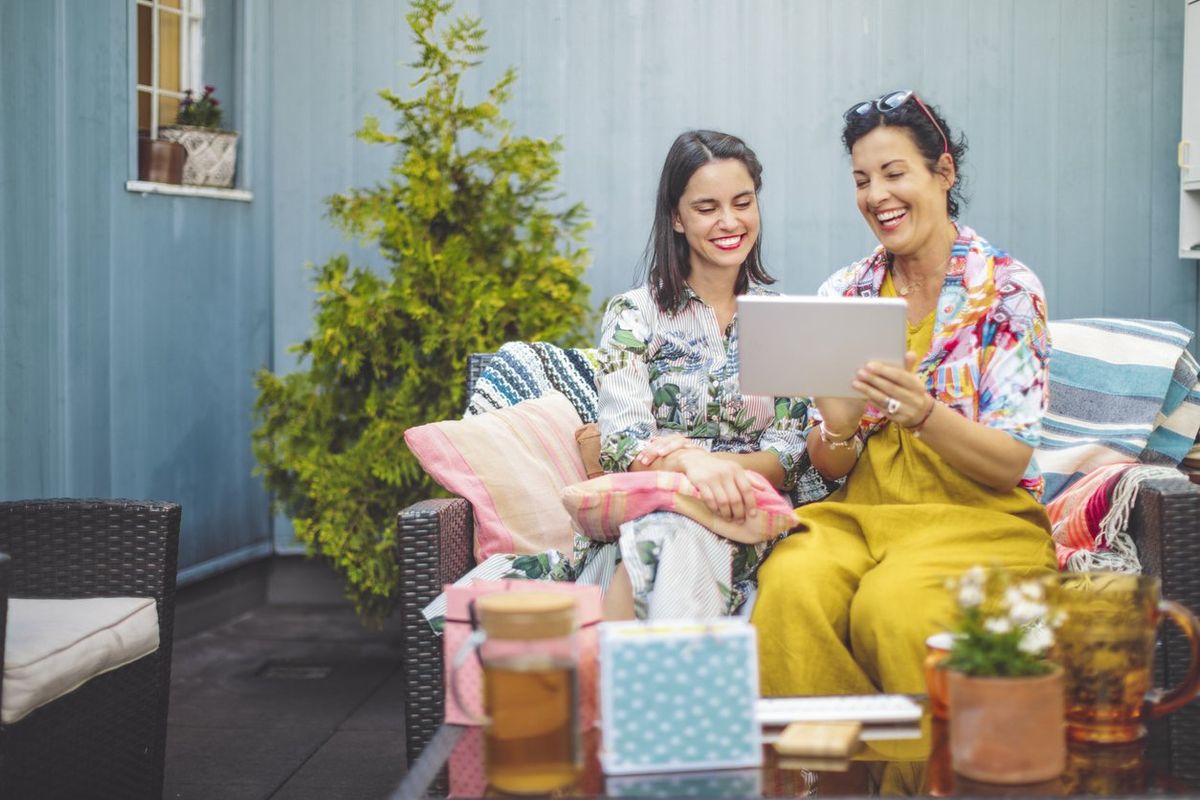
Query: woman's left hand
895, 390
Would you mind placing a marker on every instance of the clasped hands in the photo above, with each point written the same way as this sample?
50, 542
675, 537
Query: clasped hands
726, 488
896, 391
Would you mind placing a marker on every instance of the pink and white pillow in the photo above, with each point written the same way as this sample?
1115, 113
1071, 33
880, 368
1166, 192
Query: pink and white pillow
512, 464
599, 506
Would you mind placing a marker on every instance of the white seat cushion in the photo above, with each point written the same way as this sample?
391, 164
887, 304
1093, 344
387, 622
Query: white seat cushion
55, 646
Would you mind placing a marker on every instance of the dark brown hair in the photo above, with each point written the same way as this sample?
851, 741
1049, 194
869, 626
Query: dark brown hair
666, 261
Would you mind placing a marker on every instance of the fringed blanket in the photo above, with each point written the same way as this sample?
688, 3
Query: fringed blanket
1124, 409
1090, 520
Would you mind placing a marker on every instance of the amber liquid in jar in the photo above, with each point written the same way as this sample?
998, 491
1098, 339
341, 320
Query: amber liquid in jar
531, 745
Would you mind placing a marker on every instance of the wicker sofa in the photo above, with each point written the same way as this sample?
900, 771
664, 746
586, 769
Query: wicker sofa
106, 738
435, 540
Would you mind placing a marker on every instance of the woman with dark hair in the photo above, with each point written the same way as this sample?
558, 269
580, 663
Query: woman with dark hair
668, 385
937, 453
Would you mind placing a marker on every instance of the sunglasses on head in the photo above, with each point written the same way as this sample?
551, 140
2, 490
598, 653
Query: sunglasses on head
890, 102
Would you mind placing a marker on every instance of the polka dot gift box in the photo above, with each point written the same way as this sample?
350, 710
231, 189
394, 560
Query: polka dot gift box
678, 695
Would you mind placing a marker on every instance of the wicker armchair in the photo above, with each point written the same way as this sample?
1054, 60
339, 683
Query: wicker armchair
435, 540
107, 737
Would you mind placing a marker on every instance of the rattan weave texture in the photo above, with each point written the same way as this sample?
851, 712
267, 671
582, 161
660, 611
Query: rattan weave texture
435, 539
476, 364
1167, 522
107, 738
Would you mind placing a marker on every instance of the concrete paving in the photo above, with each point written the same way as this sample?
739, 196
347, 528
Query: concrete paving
286, 701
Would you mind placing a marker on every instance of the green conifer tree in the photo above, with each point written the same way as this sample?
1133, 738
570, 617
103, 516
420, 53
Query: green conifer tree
478, 256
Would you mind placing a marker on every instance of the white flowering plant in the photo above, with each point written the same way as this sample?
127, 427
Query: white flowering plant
1006, 626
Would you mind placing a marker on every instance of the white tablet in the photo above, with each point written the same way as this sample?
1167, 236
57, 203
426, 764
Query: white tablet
804, 345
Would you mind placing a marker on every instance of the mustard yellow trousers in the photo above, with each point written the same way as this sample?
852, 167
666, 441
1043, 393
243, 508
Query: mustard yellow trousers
845, 607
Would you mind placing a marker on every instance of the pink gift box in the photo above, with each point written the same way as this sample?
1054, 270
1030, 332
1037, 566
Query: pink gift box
467, 778
470, 674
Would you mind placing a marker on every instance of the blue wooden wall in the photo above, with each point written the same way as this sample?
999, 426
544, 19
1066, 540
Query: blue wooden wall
132, 325
1071, 109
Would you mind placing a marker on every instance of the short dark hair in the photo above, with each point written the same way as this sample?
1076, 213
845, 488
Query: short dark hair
666, 261
925, 136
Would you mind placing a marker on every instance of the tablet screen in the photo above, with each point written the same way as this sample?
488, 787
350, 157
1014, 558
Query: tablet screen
804, 345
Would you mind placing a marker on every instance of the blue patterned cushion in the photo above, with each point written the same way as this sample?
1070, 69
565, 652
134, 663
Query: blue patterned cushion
525, 370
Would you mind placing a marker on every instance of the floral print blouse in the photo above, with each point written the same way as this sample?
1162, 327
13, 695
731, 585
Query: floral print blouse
677, 372
990, 355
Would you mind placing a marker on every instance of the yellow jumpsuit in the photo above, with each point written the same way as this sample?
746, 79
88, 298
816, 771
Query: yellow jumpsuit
845, 607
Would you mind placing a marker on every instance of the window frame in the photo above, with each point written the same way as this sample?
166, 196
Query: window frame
246, 19
191, 55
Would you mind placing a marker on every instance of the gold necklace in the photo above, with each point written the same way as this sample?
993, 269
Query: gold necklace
910, 285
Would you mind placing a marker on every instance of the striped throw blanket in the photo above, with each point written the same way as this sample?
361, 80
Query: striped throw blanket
1124, 409
524, 370
1121, 392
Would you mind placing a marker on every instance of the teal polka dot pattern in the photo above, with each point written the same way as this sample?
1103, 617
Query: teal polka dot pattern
678, 695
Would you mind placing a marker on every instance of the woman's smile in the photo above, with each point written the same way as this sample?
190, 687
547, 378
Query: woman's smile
729, 242
890, 219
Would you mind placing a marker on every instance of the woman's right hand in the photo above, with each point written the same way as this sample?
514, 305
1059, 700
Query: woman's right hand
841, 414
727, 488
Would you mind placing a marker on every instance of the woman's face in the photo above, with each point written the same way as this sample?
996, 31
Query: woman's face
718, 215
902, 201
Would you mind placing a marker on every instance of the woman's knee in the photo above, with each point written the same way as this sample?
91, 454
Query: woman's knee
802, 581
888, 628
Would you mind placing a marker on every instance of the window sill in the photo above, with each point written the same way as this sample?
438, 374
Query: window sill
180, 190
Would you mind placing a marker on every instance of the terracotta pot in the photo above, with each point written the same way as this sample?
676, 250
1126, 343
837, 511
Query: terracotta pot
1008, 730
160, 161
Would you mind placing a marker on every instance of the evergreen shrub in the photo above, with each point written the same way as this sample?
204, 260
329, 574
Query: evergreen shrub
481, 250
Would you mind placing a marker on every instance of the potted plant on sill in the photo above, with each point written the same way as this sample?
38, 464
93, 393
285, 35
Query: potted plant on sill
1007, 715
211, 151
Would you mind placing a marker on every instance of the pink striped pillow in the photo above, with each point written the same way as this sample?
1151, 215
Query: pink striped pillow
600, 505
512, 464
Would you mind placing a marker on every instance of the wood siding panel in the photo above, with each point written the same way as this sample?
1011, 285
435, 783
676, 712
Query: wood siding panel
1078, 269
1128, 159
1172, 280
30, 334
1033, 128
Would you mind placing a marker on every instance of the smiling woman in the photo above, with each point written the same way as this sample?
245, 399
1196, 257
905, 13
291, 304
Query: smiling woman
937, 453
668, 388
